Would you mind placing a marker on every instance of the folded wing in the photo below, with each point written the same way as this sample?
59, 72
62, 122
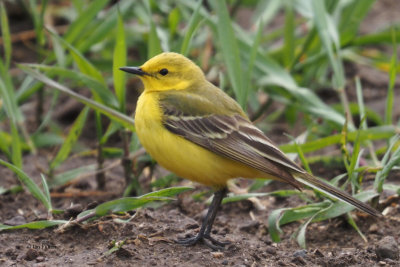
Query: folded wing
233, 137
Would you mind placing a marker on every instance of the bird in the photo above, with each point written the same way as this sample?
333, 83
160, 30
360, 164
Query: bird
197, 131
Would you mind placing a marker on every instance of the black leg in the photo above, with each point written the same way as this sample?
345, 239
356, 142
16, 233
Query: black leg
205, 230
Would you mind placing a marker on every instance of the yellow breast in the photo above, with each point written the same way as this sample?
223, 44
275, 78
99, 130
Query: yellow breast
179, 155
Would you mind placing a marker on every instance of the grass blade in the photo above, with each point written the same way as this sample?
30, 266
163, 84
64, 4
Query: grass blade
32, 187
273, 224
302, 158
174, 18
289, 34
130, 203
65, 177
279, 193
310, 102
351, 18
340, 208
253, 55
361, 106
236, 198
126, 204
83, 64
353, 224
71, 139
9, 101
378, 38
301, 236
392, 80
154, 46
38, 19
6, 37
392, 187
388, 161
372, 133
5, 141
191, 28
78, 26
154, 43
46, 191
265, 11
33, 225
330, 39
230, 50
119, 60
302, 212
102, 29
105, 96
126, 121
168, 192
15, 116
16, 150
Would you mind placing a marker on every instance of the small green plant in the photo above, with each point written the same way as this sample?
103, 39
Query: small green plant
113, 206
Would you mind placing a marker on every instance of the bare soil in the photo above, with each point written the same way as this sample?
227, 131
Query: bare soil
149, 236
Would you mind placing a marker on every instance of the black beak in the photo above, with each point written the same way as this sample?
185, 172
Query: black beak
134, 70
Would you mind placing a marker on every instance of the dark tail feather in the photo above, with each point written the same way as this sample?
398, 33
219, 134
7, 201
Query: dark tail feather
313, 182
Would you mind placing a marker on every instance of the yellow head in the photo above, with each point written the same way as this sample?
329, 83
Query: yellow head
167, 71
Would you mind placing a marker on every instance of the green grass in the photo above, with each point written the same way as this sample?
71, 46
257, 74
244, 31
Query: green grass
309, 51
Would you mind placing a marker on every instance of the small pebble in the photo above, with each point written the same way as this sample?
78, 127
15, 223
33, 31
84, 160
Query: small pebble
392, 262
31, 254
40, 259
299, 261
300, 253
387, 247
217, 255
249, 227
373, 228
270, 250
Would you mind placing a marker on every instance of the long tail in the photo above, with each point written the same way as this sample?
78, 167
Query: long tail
313, 182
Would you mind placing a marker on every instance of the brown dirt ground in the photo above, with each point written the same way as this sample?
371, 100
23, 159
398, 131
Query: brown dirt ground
149, 235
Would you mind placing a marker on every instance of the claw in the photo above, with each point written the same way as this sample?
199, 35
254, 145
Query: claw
189, 241
216, 242
213, 244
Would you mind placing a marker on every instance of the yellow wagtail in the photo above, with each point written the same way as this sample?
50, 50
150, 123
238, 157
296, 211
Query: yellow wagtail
194, 129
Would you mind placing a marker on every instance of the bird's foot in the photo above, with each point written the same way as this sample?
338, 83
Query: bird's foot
206, 239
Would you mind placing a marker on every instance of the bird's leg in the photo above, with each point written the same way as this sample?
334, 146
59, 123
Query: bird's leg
207, 232
206, 227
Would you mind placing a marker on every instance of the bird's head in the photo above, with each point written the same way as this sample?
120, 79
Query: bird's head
167, 71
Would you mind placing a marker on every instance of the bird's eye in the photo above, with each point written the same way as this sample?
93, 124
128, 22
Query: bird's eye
163, 72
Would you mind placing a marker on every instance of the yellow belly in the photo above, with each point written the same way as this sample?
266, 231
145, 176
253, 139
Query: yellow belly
179, 155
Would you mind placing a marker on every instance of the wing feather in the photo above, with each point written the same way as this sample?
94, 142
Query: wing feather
233, 137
